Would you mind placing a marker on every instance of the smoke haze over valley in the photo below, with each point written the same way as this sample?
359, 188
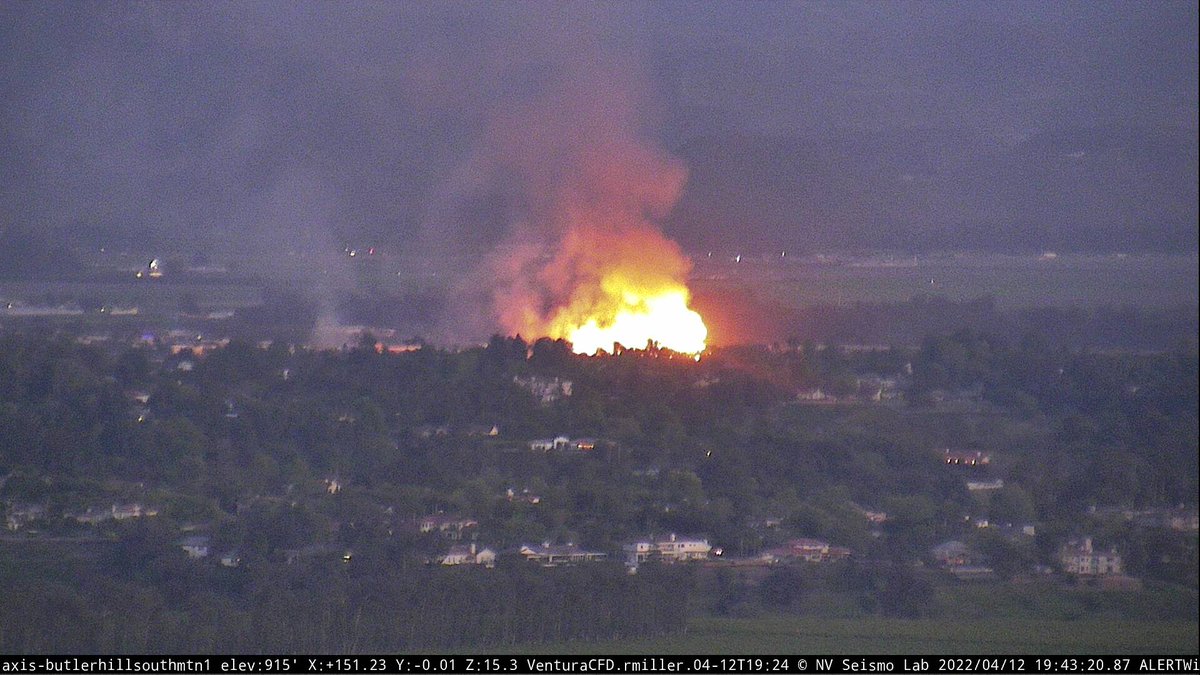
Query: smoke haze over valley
813, 126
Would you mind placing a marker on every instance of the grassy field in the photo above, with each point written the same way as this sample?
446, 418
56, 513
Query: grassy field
807, 635
1146, 281
147, 296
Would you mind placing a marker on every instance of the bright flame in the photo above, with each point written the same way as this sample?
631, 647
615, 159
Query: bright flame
634, 319
585, 260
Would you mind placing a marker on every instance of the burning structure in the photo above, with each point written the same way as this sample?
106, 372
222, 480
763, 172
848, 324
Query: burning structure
603, 274
583, 259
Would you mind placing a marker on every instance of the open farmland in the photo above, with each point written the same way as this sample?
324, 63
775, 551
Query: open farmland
1013, 281
796, 635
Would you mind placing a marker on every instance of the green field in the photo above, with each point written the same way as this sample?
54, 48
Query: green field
808, 635
972, 618
148, 296
1014, 282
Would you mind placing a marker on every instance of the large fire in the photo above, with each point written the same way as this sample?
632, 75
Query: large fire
636, 320
603, 287
585, 260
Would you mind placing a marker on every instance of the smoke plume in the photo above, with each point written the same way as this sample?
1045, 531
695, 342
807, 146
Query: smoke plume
587, 185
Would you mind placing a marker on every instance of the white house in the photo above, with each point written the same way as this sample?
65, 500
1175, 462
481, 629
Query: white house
93, 516
1080, 558
953, 553
809, 550
449, 526
20, 515
469, 555
195, 546
552, 555
966, 457
667, 549
550, 444
126, 511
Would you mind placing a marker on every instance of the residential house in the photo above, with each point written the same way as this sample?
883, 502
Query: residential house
952, 553
449, 526
1079, 557
20, 515
765, 522
816, 395
398, 347
808, 550
973, 572
469, 555
432, 431
550, 444
553, 555
966, 457
961, 561
876, 388
681, 549
197, 347
1011, 531
93, 516
584, 444
126, 511
666, 549
195, 546
564, 444
1180, 518
523, 496
872, 516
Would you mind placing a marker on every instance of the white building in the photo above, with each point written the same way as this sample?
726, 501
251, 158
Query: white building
1079, 557
552, 555
195, 547
449, 526
667, 549
550, 444
469, 555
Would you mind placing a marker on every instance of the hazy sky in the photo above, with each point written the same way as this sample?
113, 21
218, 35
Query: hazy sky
805, 126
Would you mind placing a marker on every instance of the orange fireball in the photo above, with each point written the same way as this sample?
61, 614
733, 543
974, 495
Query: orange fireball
588, 264
634, 319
